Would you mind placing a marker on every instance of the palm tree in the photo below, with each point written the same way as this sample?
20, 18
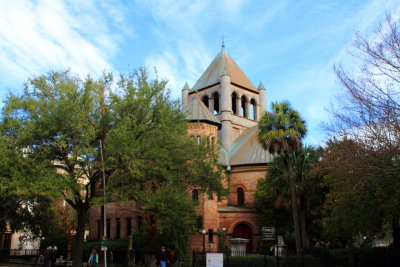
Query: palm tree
281, 132
276, 188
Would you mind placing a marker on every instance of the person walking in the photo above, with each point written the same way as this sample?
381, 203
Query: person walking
93, 259
54, 256
162, 258
172, 258
48, 254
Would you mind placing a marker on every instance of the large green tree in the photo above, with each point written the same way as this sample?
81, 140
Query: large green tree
60, 120
281, 132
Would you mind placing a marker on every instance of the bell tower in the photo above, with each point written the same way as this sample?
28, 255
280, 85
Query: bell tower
227, 92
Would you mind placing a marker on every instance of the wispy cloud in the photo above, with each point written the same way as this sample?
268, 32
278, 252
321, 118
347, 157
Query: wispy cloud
38, 36
184, 52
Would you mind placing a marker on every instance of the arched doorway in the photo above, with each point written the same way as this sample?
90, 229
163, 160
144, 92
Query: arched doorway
242, 230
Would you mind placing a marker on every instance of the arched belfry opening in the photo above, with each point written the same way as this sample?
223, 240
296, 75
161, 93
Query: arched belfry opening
234, 104
205, 101
216, 102
253, 110
243, 106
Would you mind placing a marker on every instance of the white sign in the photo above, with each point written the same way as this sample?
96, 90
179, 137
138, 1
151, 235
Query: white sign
268, 233
215, 260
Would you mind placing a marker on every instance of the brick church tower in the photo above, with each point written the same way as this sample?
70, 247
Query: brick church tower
224, 106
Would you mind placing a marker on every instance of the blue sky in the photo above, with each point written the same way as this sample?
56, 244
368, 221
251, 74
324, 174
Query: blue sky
290, 46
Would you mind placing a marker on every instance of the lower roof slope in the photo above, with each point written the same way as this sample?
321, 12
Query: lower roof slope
197, 111
245, 150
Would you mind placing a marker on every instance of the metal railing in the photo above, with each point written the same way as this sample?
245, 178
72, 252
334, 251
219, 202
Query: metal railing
317, 257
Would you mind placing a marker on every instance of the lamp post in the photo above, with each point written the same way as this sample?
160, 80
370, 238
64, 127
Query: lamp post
204, 232
103, 113
221, 238
105, 203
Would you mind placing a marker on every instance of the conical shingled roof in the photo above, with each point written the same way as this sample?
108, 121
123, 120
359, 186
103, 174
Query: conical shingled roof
223, 64
197, 111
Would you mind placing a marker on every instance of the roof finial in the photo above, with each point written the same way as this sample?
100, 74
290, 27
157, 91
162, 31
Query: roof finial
223, 40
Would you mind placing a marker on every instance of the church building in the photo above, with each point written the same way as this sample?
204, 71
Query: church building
223, 107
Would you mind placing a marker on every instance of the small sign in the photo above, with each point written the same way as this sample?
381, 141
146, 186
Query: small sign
215, 260
268, 233
103, 245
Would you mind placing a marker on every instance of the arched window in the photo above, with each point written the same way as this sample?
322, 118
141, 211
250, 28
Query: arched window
253, 110
234, 107
216, 103
240, 196
243, 103
205, 100
192, 138
195, 195
198, 140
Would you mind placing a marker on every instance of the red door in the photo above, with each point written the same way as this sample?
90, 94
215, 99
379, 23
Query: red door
244, 231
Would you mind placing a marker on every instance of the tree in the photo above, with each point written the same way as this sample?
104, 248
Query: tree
281, 132
359, 200
273, 193
160, 160
66, 220
57, 125
21, 210
368, 112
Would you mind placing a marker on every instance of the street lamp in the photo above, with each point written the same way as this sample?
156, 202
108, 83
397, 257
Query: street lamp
105, 203
103, 113
221, 238
204, 232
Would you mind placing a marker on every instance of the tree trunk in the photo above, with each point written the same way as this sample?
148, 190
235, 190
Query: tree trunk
304, 237
396, 231
294, 203
77, 251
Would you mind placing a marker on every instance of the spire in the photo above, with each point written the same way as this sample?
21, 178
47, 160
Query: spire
186, 87
261, 86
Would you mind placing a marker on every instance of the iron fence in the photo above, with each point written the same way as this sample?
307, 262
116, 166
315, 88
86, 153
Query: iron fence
310, 257
315, 257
